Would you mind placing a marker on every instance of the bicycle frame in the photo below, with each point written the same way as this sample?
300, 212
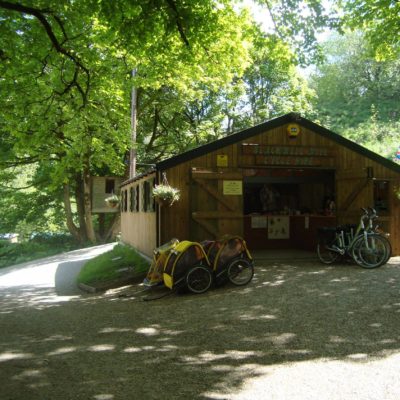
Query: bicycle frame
365, 246
345, 246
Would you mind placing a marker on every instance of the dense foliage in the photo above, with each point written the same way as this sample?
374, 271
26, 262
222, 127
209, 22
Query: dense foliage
358, 95
379, 20
203, 69
65, 75
37, 247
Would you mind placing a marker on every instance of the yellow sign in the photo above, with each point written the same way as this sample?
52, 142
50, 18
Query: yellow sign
233, 188
222, 160
293, 130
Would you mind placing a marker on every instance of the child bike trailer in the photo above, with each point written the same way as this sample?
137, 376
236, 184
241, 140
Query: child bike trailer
160, 254
187, 267
230, 260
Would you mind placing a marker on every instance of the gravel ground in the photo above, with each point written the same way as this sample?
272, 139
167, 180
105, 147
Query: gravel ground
299, 330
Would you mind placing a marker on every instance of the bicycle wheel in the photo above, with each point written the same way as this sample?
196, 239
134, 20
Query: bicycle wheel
388, 248
199, 279
240, 271
324, 253
370, 251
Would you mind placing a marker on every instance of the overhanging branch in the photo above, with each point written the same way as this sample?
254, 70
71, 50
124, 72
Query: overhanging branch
40, 15
178, 21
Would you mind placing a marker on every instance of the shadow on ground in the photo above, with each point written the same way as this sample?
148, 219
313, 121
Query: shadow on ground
194, 347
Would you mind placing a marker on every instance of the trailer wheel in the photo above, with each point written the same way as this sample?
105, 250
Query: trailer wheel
199, 279
240, 271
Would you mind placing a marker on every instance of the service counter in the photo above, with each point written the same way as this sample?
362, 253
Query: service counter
284, 231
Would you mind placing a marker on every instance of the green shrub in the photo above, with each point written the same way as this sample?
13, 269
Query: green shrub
15, 253
108, 266
64, 240
4, 243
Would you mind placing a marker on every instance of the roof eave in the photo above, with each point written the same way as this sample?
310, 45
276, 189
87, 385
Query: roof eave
138, 177
274, 123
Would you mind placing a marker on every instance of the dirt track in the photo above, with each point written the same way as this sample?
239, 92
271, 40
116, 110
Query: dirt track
300, 330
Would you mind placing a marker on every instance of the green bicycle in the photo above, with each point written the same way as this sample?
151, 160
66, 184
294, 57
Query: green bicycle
360, 243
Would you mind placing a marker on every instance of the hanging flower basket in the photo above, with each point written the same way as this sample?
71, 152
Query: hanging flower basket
112, 201
164, 194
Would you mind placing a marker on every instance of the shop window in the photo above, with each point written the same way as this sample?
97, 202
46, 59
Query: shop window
142, 197
137, 197
292, 192
145, 195
152, 203
148, 200
110, 186
381, 196
132, 198
124, 200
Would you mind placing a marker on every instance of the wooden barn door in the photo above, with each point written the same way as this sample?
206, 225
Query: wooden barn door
353, 191
213, 212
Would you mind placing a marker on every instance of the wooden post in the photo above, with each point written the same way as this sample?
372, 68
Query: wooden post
132, 153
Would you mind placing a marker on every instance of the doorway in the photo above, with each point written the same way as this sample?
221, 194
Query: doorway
283, 208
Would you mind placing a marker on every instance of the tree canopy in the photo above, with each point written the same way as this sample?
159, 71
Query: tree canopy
379, 20
65, 72
204, 69
358, 95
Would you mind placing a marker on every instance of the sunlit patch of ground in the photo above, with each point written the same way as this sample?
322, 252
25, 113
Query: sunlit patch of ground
299, 330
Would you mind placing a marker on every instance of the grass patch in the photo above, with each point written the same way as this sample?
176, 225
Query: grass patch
114, 264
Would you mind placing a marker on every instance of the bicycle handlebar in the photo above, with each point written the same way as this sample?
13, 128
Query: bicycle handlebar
372, 212
369, 212
369, 215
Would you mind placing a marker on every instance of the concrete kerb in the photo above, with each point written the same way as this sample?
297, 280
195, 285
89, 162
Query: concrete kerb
104, 286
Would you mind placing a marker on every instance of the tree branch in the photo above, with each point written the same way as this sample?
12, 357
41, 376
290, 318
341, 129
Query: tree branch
19, 161
40, 15
271, 14
178, 21
22, 187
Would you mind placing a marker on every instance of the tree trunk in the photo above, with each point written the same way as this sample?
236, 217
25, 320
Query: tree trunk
80, 206
102, 221
68, 212
87, 199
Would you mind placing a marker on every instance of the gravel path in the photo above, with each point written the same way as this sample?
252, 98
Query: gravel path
299, 330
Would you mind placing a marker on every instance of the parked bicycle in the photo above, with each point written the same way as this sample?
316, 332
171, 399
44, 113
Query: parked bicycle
376, 229
362, 243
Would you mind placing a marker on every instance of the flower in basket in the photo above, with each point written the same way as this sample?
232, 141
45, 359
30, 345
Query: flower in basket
166, 194
112, 201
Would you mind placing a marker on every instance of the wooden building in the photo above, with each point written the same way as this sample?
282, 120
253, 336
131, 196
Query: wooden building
274, 184
103, 187
109, 224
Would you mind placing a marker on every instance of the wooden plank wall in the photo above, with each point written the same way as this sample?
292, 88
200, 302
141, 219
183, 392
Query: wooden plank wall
352, 163
394, 218
176, 221
139, 229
